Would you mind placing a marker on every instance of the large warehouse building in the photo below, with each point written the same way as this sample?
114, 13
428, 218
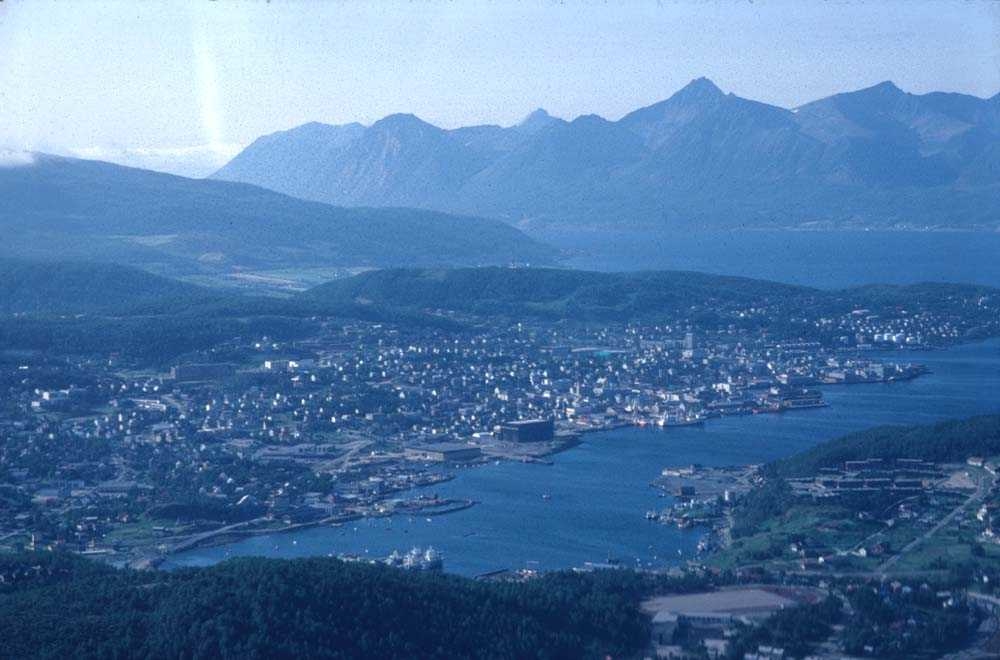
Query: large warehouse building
529, 430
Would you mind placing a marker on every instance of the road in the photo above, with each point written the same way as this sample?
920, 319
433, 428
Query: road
984, 484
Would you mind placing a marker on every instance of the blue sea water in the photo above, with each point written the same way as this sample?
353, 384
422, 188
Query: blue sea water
825, 259
599, 491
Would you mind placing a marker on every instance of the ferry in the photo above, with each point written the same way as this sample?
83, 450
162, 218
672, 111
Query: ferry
670, 420
416, 559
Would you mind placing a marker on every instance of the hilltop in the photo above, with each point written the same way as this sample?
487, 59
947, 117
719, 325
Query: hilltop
587, 296
68, 287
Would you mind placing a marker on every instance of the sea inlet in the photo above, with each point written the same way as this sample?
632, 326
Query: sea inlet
589, 504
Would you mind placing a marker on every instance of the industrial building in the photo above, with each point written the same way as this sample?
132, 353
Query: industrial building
201, 372
529, 430
444, 452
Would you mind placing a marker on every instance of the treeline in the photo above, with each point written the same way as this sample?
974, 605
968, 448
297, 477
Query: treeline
147, 339
795, 629
953, 440
75, 287
550, 293
898, 624
636, 296
323, 608
769, 500
34, 287
82, 308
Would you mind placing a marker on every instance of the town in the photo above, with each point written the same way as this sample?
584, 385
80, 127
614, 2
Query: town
131, 462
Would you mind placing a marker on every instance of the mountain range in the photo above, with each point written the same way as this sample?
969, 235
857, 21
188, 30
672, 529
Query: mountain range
63, 208
878, 157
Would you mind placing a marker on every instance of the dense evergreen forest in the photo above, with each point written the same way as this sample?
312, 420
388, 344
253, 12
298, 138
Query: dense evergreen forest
795, 629
953, 440
61, 606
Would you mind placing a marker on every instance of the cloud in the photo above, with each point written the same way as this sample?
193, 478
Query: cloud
14, 158
220, 151
188, 160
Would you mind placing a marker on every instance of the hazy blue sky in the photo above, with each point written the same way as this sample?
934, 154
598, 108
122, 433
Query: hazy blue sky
180, 86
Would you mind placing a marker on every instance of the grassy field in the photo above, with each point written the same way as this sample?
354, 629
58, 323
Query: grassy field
818, 529
808, 530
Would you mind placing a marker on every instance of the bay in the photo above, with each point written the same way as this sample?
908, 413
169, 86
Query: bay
598, 493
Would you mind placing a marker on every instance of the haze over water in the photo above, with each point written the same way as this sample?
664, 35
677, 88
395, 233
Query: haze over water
600, 490
825, 259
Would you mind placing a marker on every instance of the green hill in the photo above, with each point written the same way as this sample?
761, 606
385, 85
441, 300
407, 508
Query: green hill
316, 608
78, 287
71, 307
148, 317
953, 440
548, 292
598, 296
64, 208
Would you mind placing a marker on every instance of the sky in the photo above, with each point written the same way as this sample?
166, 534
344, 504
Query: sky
182, 86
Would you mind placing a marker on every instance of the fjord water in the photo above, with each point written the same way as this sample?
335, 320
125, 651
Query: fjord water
597, 493
824, 259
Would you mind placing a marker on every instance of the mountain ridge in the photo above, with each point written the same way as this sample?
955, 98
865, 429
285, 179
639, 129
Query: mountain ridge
875, 157
65, 208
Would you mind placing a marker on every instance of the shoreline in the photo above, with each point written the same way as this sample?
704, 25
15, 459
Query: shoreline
223, 536
223, 539
231, 534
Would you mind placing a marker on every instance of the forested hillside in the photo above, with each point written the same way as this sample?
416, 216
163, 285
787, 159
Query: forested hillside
954, 440
68, 287
63, 208
630, 296
322, 608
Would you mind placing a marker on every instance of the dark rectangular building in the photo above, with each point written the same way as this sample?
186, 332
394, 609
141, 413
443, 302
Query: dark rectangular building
529, 430
199, 372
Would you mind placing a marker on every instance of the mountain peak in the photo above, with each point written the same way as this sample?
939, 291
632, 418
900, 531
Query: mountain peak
538, 114
699, 89
401, 120
692, 99
886, 87
536, 121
